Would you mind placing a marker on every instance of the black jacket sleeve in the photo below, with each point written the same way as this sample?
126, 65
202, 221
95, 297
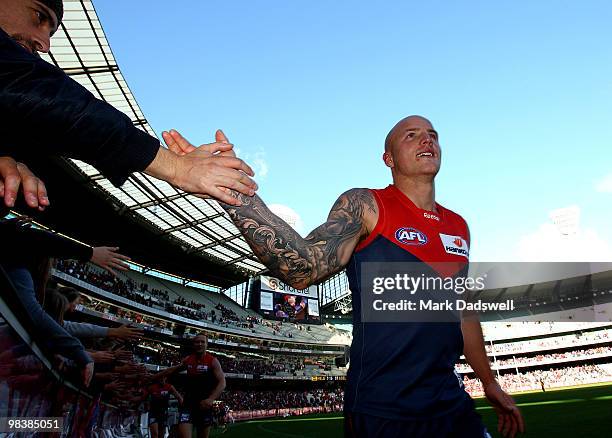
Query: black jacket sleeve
23, 243
45, 112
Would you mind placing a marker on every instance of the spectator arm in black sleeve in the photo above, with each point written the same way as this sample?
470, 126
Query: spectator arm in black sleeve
45, 112
26, 242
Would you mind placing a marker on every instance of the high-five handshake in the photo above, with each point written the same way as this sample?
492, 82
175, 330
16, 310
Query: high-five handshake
210, 170
229, 173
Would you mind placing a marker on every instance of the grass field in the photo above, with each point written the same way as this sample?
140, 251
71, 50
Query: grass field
580, 412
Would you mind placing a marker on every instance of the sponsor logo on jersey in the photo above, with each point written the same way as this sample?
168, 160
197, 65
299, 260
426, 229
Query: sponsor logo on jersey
430, 216
410, 236
455, 245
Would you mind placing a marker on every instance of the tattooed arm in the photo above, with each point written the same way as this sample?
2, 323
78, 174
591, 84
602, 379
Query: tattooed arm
299, 261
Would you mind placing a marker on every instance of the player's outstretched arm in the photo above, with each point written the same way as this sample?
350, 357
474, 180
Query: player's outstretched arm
299, 261
169, 371
510, 420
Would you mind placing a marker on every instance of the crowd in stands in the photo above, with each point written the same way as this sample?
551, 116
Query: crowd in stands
110, 311
115, 312
251, 366
111, 283
116, 373
254, 400
120, 374
519, 329
120, 371
271, 366
539, 379
157, 353
142, 293
180, 301
543, 358
574, 354
551, 342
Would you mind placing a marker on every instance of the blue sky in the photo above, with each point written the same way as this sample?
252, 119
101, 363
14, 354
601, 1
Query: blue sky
520, 93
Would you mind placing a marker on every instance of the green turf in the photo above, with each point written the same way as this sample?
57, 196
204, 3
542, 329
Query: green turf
581, 412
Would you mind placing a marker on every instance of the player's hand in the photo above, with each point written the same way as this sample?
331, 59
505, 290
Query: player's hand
210, 169
14, 174
510, 420
206, 404
108, 258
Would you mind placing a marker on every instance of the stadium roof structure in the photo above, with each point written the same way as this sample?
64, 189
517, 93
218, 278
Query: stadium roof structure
200, 227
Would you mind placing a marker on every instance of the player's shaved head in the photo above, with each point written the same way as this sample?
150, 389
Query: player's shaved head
200, 343
398, 127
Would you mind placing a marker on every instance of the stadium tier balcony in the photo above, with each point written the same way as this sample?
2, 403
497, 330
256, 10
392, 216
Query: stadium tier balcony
569, 357
496, 331
538, 380
593, 337
178, 303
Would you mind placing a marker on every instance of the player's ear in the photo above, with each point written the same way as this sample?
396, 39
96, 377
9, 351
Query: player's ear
387, 159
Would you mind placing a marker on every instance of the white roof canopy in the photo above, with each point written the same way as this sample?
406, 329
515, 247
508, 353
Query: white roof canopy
80, 48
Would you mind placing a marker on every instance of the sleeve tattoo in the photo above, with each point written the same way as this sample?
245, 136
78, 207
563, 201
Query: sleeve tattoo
299, 261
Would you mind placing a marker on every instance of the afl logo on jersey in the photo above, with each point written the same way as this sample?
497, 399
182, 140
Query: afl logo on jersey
410, 236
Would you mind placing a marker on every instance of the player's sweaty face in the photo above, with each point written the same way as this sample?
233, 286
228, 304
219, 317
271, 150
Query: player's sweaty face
199, 345
415, 149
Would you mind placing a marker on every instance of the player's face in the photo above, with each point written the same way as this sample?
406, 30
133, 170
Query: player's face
29, 22
291, 300
199, 344
414, 149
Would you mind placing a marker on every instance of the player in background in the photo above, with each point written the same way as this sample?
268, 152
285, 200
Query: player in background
204, 384
158, 395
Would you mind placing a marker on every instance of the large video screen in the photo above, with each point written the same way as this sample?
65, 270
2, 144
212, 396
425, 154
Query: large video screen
288, 304
296, 308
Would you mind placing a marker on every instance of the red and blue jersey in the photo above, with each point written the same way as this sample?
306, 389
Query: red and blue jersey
405, 370
160, 396
201, 379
